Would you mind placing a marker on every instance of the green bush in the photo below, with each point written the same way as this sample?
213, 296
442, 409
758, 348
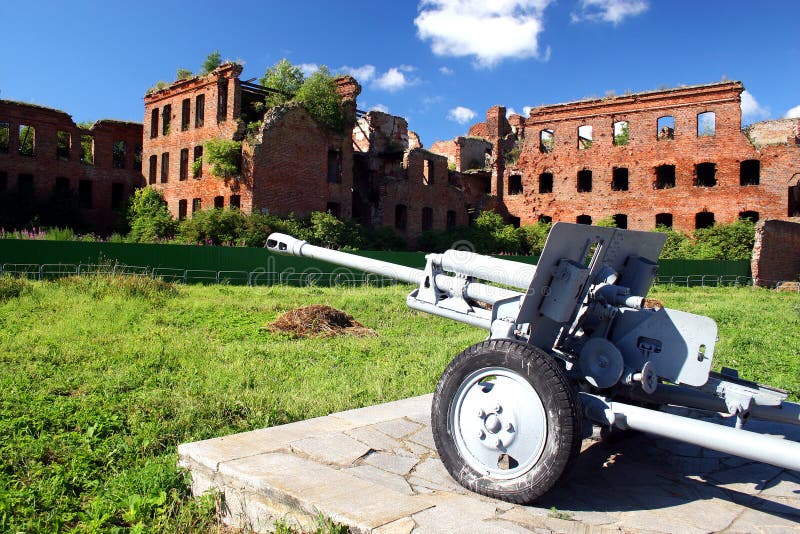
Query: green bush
284, 77
318, 95
535, 236
149, 217
212, 227
224, 156
11, 288
331, 232
212, 61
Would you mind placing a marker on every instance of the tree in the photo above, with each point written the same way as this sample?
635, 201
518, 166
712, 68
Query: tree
149, 217
183, 74
284, 77
224, 156
319, 96
213, 226
213, 60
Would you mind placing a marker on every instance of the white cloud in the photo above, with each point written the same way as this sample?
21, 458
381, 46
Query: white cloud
308, 68
793, 113
511, 111
491, 31
752, 109
446, 71
379, 107
613, 11
363, 73
526, 111
394, 79
460, 114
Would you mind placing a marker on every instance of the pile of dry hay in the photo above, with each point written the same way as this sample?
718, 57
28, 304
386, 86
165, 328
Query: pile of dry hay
319, 320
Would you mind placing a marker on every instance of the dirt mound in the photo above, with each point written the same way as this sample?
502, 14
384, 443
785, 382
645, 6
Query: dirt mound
319, 320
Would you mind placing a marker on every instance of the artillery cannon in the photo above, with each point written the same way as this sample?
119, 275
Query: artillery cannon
578, 343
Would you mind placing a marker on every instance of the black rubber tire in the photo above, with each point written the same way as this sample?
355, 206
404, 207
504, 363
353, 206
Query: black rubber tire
561, 405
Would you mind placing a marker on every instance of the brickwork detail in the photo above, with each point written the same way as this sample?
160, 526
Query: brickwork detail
692, 134
52, 155
776, 254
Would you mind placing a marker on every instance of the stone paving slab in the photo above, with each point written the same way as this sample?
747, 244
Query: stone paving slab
375, 469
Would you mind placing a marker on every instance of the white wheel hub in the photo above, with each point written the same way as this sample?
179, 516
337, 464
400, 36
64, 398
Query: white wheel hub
498, 422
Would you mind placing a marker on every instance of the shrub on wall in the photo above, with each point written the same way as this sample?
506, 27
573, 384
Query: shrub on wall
224, 157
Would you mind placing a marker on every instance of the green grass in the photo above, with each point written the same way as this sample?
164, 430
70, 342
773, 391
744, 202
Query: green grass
103, 377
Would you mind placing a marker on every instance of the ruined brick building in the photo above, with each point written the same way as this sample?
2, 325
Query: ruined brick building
67, 175
674, 157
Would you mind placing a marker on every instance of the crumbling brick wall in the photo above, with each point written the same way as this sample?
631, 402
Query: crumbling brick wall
102, 182
550, 182
776, 254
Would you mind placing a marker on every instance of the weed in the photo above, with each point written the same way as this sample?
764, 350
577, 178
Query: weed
11, 287
556, 514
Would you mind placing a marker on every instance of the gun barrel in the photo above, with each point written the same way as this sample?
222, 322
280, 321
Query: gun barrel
510, 273
291, 246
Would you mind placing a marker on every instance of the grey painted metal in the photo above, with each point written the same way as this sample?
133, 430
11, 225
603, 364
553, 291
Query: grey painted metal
767, 449
494, 412
510, 273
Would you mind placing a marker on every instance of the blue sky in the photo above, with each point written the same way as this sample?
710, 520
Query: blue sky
439, 63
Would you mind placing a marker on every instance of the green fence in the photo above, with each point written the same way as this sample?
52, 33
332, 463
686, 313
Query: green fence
255, 266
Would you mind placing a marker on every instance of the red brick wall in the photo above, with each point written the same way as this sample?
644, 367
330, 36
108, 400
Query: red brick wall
776, 254
45, 166
641, 202
206, 187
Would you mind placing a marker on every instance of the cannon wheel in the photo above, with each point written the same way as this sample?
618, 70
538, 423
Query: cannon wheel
506, 420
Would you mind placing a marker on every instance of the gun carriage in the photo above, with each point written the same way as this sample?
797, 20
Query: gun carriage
572, 342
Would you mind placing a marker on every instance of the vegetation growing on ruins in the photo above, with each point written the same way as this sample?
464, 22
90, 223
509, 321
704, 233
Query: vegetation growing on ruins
224, 156
283, 77
104, 376
183, 74
212, 61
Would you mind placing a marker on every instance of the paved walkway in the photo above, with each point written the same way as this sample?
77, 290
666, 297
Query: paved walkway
375, 469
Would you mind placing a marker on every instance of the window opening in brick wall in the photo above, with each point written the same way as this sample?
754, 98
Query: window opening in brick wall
183, 208
334, 166
186, 111
137, 157
27, 140
665, 177
585, 139
400, 217
166, 119
546, 141
62, 185
583, 219
219, 202
151, 175
164, 167
154, 123
515, 184
117, 195
450, 221
704, 219
3, 180
428, 172
794, 199
118, 153
665, 128
5, 133
620, 220
235, 201
749, 215
545, 219
87, 149
619, 179
546, 182
63, 145
749, 172
706, 124
705, 175
197, 162
222, 100
514, 221
621, 133
334, 208
85, 194
183, 169
25, 184
197, 205
427, 218
664, 219
199, 110
585, 181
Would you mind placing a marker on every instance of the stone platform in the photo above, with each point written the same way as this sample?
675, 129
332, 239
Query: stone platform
376, 470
